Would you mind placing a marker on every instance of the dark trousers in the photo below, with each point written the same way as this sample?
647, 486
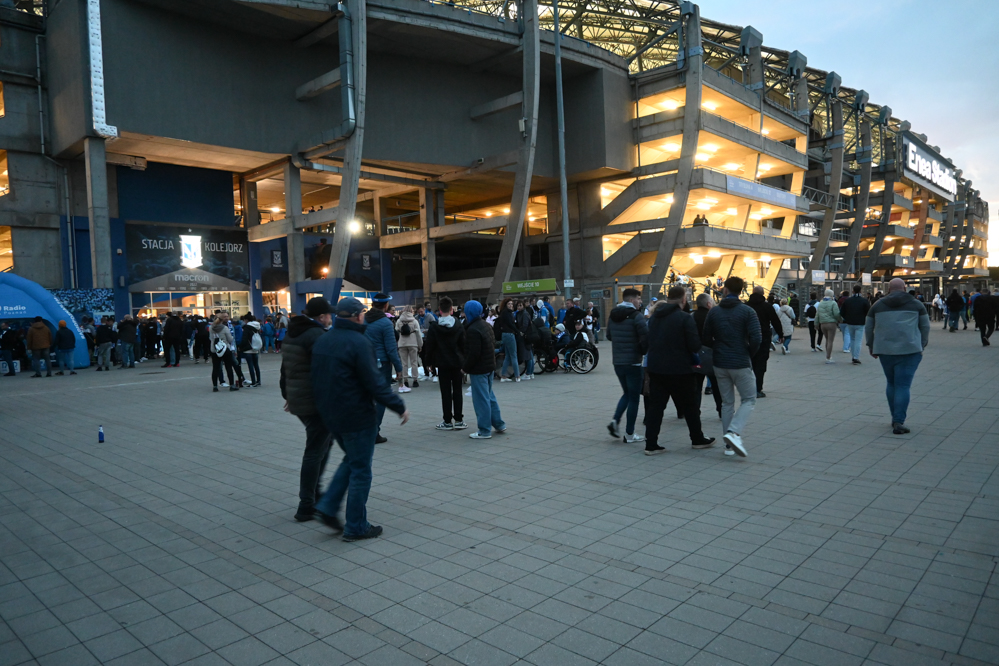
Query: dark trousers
985, 328
317, 452
217, 363
812, 331
428, 370
202, 347
151, 342
760, 363
683, 390
451, 393
253, 365
715, 393
177, 345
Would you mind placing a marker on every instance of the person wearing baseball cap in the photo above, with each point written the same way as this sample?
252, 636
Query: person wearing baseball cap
296, 389
347, 385
381, 332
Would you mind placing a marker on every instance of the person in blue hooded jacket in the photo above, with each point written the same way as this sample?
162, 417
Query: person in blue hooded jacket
381, 331
479, 364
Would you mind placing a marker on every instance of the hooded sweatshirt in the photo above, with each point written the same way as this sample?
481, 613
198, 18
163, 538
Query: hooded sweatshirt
480, 349
220, 331
673, 341
250, 331
629, 331
382, 335
296, 364
896, 325
444, 346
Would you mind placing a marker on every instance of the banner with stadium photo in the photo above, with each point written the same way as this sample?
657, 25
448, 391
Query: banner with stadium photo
186, 258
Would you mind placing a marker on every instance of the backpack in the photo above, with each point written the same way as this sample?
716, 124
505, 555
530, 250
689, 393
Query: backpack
810, 311
256, 344
220, 347
405, 329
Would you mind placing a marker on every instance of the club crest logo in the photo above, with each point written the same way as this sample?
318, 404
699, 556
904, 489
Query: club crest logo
190, 247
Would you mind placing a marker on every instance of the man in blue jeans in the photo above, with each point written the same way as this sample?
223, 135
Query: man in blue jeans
479, 364
897, 331
346, 384
628, 329
381, 331
854, 311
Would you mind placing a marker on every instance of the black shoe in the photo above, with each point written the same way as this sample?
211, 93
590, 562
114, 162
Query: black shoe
654, 449
14, 374
856, 361
99, 369
305, 515
334, 523
708, 391
761, 394
72, 372
165, 366
233, 388
679, 417
986, 343
373, 531
39, 375
59, 374
899, 429
380, 440
704, 443
416, 384
215, 389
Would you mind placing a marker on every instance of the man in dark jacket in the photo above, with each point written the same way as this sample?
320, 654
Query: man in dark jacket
202, 346
573, 313
479, 364
986, 310
65, 344
444, 348
704, 305
346, 384
673, 348
173, 339
768, 318
296, 389
732, 330
629, 331
854, 312
381, 331
8, 343
104, 336
127, 337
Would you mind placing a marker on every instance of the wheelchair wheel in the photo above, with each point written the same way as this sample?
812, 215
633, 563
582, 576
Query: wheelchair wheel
582, 361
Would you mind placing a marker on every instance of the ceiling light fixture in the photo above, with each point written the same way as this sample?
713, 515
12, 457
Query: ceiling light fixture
710, 106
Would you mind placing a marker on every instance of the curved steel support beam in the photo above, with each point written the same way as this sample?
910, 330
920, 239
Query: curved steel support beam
863, 197
688, 149
835, 183
887, 197
355, 141
526, 150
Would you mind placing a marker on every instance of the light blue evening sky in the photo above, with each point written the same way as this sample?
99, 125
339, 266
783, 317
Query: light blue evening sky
936, 64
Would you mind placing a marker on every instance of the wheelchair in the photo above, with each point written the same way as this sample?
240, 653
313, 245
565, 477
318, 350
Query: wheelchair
581, 360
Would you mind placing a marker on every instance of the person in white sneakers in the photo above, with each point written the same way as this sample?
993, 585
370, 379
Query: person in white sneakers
479, 364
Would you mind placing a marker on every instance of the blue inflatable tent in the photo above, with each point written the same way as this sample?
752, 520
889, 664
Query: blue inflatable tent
24, 299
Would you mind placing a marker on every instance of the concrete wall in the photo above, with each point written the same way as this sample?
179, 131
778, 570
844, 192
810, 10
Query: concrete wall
67, 77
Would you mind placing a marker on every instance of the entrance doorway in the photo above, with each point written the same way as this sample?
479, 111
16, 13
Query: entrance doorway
155, 303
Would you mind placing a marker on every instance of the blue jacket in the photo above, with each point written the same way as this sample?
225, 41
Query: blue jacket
381, 332
346, 382
267, 329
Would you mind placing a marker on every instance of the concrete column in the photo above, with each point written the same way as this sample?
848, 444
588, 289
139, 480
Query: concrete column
98, 210
835, 182
292, 191
296, 269
887, 198
248, 201
864, 159
428, 250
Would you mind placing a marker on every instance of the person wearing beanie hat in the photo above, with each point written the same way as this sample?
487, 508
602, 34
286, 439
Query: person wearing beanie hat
65, 344
479, 364
828, 318
347, 385
296, 389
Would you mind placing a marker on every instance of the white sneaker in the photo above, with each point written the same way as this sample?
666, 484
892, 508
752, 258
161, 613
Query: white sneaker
819, 347
783, 351
734, 441
634, 438
829, 361
527, 377
773, 347
846, 351
460, 425
614, 429
404, 389
435, 379
476, 435
224, 385
506, 379
468, 393
517, 378
729, 452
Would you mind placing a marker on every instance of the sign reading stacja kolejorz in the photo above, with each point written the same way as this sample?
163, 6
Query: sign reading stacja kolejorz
181, 258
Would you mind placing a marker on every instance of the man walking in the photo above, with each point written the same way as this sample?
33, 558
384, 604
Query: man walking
8, 343
986, 310
673, 348
426, 317
105, 342
732, 330
381, 332
173, 340
479, 364
898, 329
768, 320
346, 384
39, 341
854, 312
127, 336
65, 344
444, 349
628, 329
296, 389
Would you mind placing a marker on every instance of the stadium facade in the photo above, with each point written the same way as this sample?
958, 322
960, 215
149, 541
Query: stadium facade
234, 154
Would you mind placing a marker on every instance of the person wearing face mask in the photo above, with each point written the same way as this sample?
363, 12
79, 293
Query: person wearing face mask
296, 389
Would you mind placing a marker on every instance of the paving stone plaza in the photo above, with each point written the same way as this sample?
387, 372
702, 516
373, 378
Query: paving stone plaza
834, 542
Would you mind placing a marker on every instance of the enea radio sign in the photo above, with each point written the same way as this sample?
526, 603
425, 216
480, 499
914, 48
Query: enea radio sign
924, 166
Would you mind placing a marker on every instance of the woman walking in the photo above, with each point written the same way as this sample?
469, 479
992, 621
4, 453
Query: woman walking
250, 349
221, 340
786, 315
828, 318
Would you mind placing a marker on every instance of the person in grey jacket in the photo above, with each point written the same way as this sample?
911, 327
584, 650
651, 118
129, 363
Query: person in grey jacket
381, 332
897, 331
733, 332
628, 329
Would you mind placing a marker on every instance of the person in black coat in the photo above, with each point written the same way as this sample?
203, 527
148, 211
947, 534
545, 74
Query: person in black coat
173, 339
346, 384
673, 347
704, 304
986, 312
768, 319
480, 361
444, 348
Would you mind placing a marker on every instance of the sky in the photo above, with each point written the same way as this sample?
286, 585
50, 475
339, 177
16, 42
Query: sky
936, 64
